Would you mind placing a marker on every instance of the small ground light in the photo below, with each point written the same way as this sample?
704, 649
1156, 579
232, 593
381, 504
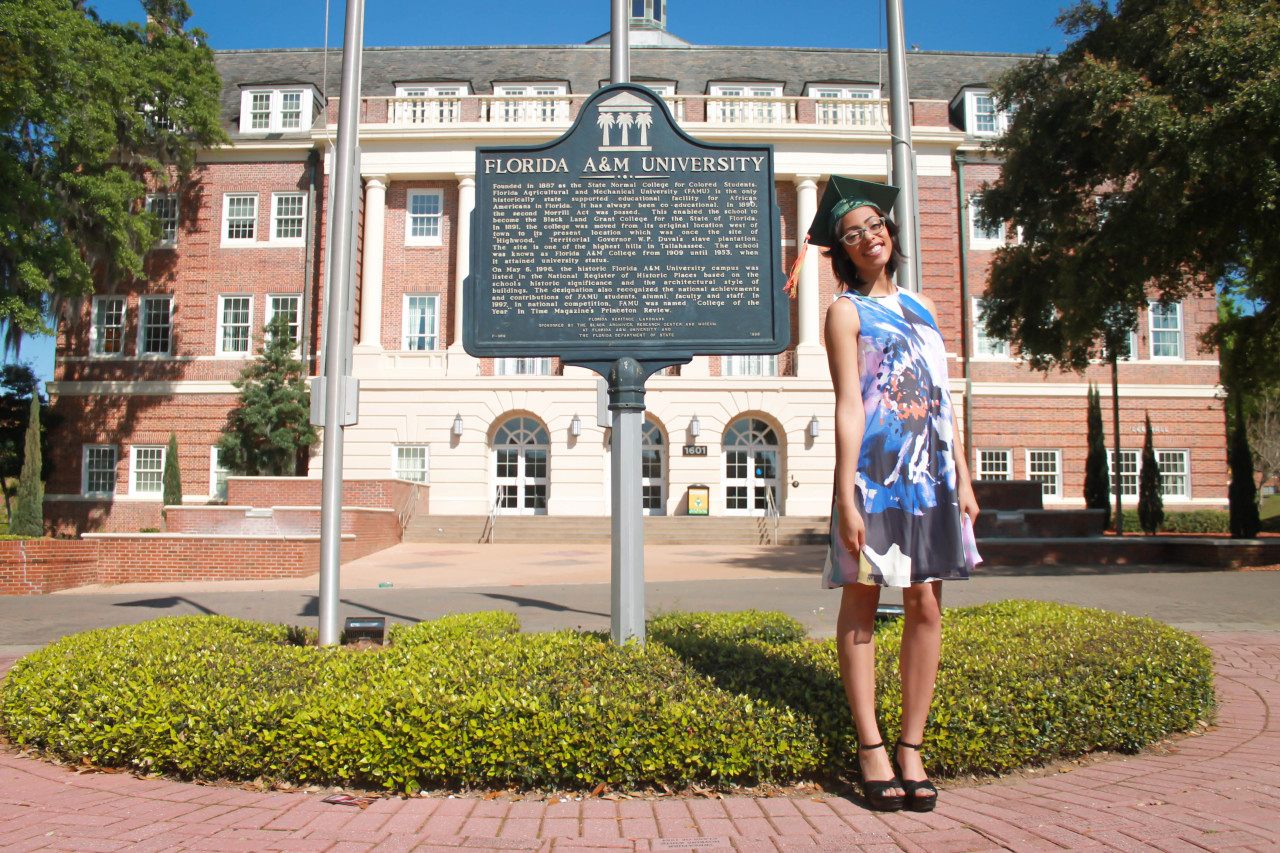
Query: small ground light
372, 628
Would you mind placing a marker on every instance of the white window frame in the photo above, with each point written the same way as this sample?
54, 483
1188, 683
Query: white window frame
1165, 458
983, 346
746, 112
168, 216
531, 103
1056, 483
848, 111
437, 239
222, 325
144, 325
1176, 331
84, 470
134, 470
399, 469
217, 471
430, 104
514, 366
749, 366
1130, 471
999, 118
228, 240
272, 309
979, 239
97, 340
408, 334
276, 219
275, 110
1003, 457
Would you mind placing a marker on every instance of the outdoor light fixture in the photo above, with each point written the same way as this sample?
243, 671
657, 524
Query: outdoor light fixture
575, 426
372, 628
694, 426
815, 429
457, 424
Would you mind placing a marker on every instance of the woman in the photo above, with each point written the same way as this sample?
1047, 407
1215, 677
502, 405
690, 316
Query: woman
904, 506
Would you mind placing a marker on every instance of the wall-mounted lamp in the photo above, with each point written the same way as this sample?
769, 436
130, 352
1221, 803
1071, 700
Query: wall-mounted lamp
575, 426
457, 424
815, 429
694, 426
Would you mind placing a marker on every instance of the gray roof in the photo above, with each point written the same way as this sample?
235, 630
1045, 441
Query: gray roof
931, 75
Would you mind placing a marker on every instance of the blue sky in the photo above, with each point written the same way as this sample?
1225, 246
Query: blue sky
995, 26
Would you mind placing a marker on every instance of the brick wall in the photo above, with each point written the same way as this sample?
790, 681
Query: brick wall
32, 566
159, 558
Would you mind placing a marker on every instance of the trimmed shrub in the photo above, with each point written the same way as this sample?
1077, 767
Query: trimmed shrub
1190, 521
465, 702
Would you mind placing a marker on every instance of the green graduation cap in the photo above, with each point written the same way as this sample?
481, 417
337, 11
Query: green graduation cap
843, 195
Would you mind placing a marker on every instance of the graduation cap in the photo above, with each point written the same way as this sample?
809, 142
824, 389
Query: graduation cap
843, 195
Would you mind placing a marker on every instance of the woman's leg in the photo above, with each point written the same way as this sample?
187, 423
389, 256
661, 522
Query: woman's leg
855, 643
918, 663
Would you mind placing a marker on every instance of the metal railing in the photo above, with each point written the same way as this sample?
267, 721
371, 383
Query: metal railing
491, 523
771, 515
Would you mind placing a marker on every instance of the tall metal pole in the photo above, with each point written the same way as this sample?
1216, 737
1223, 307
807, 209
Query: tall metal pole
620, 44
903, 158
339, 330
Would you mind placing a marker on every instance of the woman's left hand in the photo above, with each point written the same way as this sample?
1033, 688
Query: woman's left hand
968, 503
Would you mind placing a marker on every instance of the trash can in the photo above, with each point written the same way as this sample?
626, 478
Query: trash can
699, 500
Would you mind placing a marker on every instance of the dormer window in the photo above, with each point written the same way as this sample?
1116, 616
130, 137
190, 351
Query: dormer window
855, 106
283, 110
980, 115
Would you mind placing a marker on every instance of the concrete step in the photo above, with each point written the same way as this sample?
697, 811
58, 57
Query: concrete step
658, 530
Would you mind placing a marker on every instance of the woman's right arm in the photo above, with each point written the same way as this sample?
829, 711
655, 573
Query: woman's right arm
841, 331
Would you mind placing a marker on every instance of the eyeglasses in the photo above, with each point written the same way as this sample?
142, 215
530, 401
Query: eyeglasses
854, 236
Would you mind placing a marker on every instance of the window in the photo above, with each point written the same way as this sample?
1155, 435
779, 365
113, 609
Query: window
98, 470
981, 116
984, 346
537, 103
1045, 467
287, 217
218, 473
240, 215
979, 237
148, 471
1166, 330
1128, 347
429, 104
275, 110
1175, 481
233, 324
847, 105
422, 224
421, 321
522, 366
286, 306
164, 206
758, 104
106, 337
1128, 472
995, 464
749, 365
155, 326
411, 462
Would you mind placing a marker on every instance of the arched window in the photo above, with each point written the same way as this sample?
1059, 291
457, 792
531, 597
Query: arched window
653, 469
521, 448
751, 474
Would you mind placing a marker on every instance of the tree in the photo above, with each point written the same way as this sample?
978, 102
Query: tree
1097, 484
88, 110
28, 510
1263, 429
271, 424
1150, 499
172, 477
1242, 495
1142, 159
18, 383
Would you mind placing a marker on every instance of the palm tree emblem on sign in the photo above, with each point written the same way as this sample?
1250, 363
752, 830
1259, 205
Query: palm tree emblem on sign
625, 111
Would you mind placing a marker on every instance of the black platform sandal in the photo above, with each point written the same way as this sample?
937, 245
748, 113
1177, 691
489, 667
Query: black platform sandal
874, 789
922, 796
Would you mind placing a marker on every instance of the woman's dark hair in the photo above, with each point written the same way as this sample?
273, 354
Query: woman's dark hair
842, 266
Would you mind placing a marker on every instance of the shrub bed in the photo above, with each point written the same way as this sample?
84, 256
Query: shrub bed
467, 701
1188, 521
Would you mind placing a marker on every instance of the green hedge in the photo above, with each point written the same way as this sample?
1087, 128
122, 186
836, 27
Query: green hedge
1190, 521
712, 699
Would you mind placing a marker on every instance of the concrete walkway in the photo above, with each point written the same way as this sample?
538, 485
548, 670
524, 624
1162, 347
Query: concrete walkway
1214, 792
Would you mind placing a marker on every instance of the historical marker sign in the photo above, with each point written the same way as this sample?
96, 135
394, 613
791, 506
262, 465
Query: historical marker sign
628, 237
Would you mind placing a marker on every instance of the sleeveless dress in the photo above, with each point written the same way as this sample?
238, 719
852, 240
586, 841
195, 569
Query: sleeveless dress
906, 479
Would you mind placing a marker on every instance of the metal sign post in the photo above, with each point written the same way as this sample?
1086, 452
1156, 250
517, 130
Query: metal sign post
904, 166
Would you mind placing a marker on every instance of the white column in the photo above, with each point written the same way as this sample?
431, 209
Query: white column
375, 236
811, 359
461, 364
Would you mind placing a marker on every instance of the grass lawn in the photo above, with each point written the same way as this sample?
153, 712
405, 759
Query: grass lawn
1270, 506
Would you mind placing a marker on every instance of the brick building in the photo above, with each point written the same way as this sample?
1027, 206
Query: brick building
246, 241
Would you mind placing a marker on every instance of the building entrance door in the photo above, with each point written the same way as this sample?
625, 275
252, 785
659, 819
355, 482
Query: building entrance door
750, 467
521, 451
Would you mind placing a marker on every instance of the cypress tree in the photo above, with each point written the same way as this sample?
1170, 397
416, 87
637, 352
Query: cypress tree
1097, 483
172, 474
28, 508
1150, 501
1242, 495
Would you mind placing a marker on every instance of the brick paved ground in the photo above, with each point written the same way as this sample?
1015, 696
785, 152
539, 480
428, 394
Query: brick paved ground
1217, 792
